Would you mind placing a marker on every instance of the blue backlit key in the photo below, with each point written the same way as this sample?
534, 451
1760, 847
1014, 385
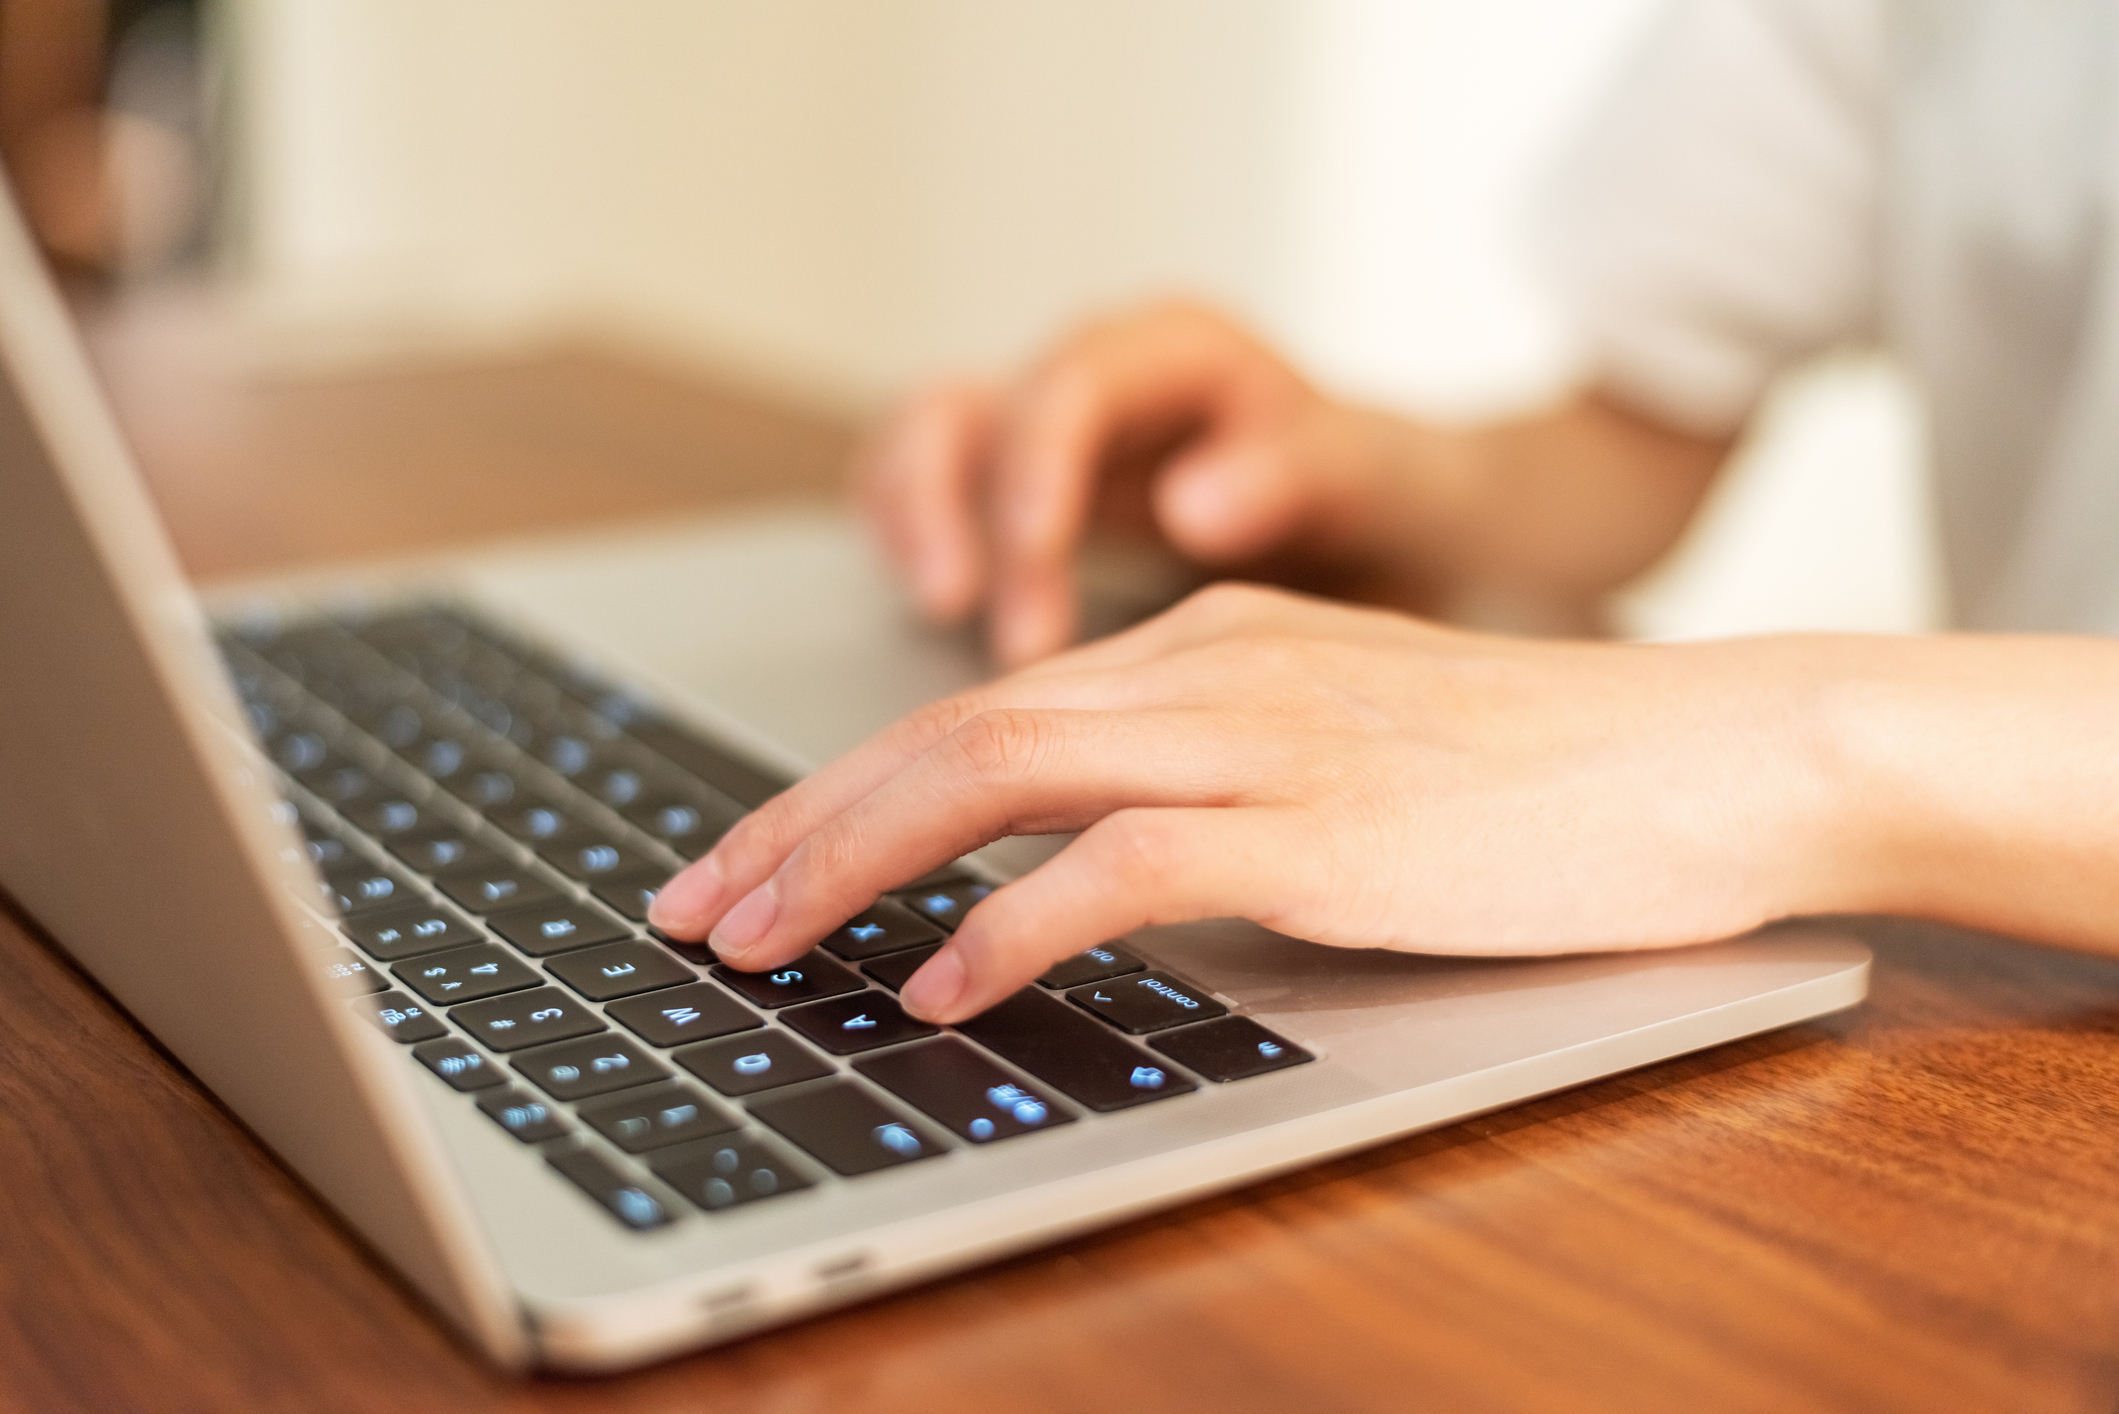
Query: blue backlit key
861, 1021
948, 904
522, 1114
619, 970
969, 1095
726, 1172
887, 926
758, 1060
589, 1065
810, 977
847, 1128
1233, 1048
523, 1019
657, 1116
465, 974
619, 1195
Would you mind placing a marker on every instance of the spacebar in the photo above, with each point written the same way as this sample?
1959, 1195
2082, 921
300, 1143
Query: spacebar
1068, 1048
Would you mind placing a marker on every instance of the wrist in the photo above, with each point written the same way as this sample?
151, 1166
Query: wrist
1856, 830
1971, 781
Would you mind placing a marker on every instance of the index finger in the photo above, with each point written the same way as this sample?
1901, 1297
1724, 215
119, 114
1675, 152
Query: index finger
918, 480
1160, 366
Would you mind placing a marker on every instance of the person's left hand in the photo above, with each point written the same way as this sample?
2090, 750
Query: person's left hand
1344, 775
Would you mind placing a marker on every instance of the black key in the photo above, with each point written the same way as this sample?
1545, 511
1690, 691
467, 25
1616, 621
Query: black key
489, 890
400, 1018
1151, 1001
699, 953
808, 978
896, 970
948, 904
861, 1022
657, 1116
527, 1019
466, 974
886, 926
744, 1065
343, 785
936, 878
360, 887
460, 1063
738, 780
970, 1095
349, 976
1102, 961
1063, 1046
406, 932
567, 753
694, 1012
390, 815
617, 784
328, 853
631, 892
487, 788
1233, 1048
591, 1065
558, 926
397, 726
619, 1195
522, 1114
847, 1128
303, 753
588, 858
721, 1173
446, 851
445, 758
535, 821
688, 825
619, 970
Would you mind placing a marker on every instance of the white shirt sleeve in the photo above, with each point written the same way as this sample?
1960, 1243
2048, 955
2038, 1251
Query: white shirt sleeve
1719, 220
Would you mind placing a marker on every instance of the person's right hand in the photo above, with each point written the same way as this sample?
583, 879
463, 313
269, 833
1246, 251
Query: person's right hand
983, 493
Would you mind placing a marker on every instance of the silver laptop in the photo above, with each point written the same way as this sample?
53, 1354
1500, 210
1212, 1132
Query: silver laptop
370, 856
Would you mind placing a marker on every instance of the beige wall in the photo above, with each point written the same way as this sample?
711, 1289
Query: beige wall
841, 196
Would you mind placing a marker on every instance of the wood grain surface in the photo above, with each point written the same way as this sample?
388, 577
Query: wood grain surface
1913, 1206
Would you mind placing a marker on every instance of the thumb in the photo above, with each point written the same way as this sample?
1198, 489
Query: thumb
1230, 499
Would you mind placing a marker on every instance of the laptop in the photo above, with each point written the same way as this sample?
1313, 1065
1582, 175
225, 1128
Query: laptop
369, 854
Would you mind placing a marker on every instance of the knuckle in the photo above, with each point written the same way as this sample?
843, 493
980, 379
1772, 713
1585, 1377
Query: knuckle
1139, 849
937, 720
829, 856
1003, 743
1229, 602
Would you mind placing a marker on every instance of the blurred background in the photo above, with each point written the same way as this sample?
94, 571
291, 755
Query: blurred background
820, 202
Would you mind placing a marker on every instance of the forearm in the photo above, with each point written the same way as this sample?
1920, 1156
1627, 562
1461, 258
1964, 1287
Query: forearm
1979, 780
1549, 513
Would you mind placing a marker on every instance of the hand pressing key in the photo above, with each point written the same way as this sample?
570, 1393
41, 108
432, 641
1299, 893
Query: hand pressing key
1345, 775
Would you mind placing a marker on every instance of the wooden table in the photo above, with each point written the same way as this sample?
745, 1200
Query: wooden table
1912, 1207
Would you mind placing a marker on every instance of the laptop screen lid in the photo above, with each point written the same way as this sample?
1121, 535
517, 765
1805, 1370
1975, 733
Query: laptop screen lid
138, 824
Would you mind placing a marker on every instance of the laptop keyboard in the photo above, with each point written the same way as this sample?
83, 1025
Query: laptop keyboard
490, 825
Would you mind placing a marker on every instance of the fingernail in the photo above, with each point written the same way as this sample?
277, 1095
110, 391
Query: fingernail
746, 922
935, 987
687, 901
